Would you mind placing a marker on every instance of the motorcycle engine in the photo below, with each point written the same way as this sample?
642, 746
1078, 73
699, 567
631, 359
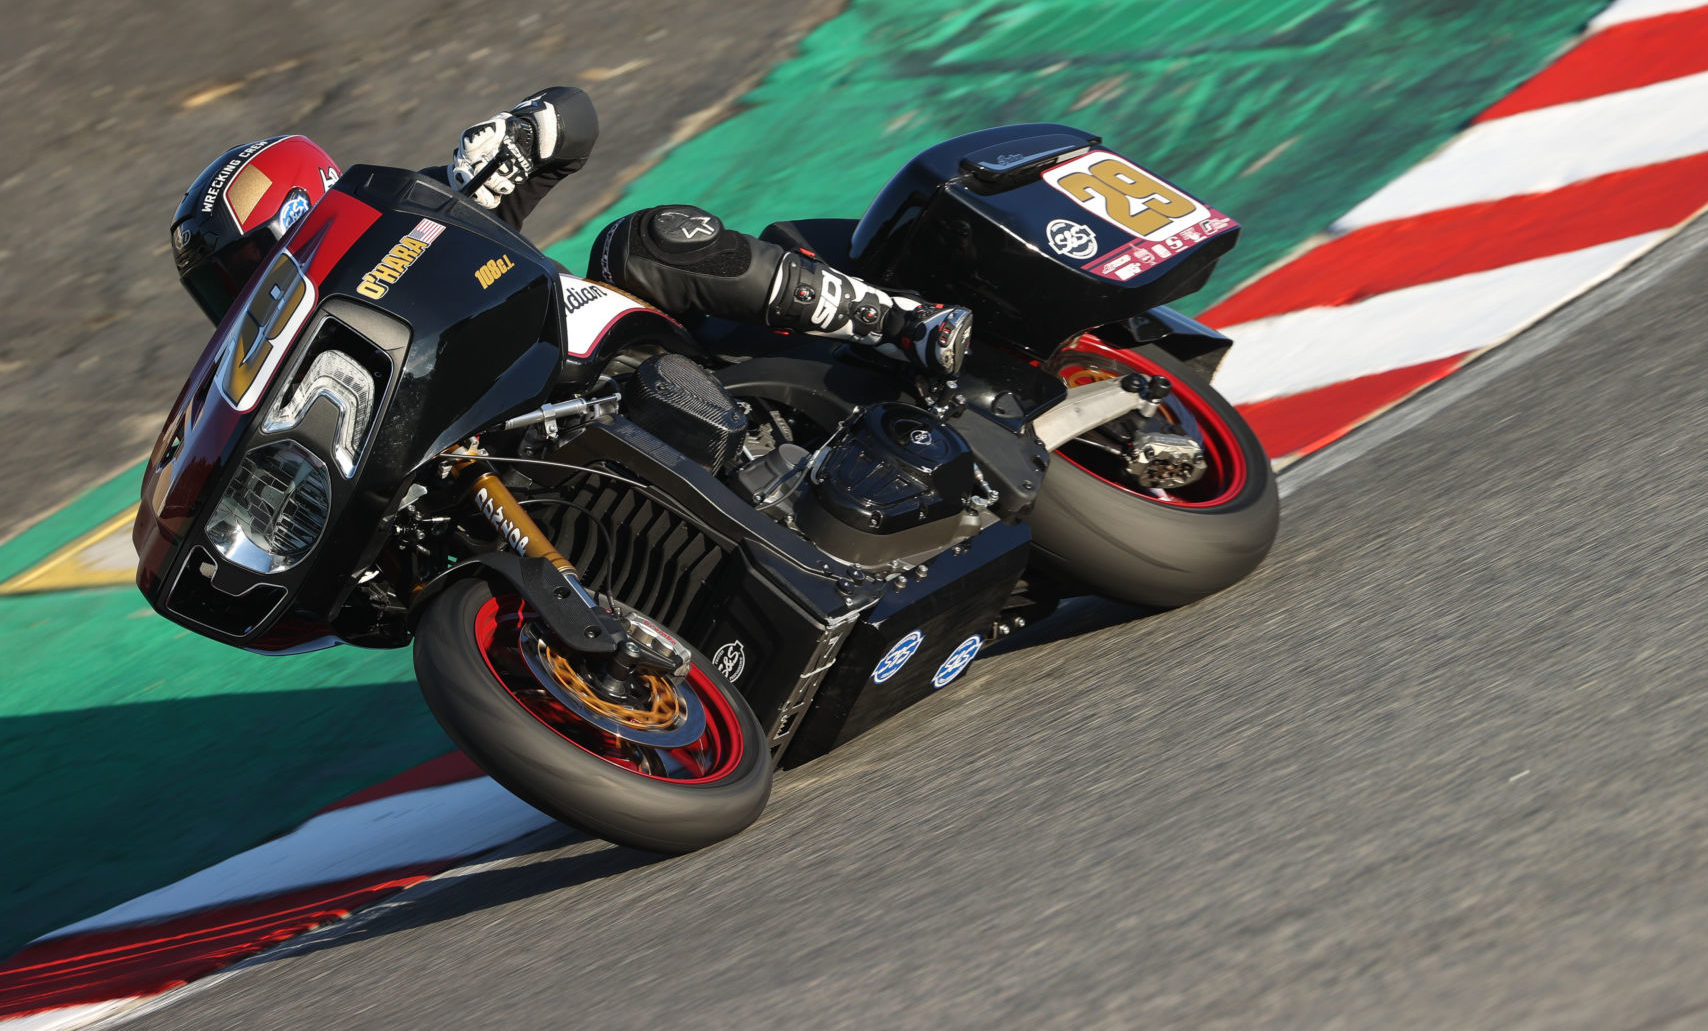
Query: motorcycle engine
900, 484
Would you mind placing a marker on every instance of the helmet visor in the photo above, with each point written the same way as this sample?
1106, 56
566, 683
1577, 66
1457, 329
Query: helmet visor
215, 282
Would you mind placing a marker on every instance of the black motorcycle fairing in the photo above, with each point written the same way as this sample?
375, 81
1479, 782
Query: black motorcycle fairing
1184, 338
969, 221
450, 313
482, 347
950, 610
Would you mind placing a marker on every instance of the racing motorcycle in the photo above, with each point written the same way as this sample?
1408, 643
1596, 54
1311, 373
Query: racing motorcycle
644, 562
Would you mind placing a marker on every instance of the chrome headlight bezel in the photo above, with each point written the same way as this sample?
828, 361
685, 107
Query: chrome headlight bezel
274, 510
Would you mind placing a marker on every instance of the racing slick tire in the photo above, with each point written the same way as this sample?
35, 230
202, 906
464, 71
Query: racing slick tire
1158, 549
490, 683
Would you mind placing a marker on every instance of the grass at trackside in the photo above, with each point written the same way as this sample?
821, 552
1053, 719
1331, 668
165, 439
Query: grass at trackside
137, 753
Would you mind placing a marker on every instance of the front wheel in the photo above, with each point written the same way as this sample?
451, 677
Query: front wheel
674, 765
1148, 546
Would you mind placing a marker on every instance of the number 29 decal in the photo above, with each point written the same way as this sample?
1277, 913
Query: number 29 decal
1114, 189
280, 304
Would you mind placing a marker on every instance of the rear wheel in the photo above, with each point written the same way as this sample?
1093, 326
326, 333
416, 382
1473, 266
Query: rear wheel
1095, 525
674, 764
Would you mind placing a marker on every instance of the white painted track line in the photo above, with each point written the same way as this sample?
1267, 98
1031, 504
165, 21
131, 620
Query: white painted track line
417, 827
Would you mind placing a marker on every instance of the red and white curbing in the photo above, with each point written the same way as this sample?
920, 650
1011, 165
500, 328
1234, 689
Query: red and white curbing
1570, 178
350, 855
1558, 186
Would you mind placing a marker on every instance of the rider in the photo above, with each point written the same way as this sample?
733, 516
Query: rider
678, 256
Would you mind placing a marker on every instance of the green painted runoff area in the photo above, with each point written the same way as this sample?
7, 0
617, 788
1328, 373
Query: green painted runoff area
136, 753
1282, 113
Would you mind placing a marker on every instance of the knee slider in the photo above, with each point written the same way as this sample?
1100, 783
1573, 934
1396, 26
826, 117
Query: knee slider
684, 260
683, 232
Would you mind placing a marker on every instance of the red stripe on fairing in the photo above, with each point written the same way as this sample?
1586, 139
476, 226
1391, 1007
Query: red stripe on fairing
1474, 238
1302, 423
1621, 57
153, 958
447, 769
338, 220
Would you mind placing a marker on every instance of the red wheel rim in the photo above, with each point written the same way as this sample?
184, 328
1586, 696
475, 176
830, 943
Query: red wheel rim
713, 756
1089, 358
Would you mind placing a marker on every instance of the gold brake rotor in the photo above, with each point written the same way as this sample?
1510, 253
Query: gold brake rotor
664, 709
1085, 375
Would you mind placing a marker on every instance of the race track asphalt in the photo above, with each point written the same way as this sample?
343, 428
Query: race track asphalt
110, 108
1438, 764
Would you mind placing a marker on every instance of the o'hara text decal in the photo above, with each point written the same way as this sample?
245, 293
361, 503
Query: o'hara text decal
397, 260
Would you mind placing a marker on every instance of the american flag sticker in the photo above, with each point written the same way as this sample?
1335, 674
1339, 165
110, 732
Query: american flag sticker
425, 230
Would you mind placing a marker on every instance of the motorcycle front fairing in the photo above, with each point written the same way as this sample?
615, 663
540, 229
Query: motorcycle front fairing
395, 319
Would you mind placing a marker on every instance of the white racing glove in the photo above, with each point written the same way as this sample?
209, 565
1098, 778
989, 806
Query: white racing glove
547, 136
503, 143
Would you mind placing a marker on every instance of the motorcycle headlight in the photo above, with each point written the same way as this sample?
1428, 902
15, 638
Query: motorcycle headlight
274, 510
340, 379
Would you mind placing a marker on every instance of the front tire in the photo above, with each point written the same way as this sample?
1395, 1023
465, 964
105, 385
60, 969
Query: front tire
489, 680
1159, 549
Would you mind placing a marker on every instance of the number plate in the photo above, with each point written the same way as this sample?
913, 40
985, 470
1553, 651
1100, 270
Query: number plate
1162, 221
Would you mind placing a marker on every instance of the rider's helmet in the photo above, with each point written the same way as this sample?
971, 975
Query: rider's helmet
238, 208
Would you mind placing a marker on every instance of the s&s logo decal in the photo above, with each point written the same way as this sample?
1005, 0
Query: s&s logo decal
731, 660
1071, 239
957, 661
897, 657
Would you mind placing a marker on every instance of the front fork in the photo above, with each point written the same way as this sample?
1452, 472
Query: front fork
521, 534
641, 643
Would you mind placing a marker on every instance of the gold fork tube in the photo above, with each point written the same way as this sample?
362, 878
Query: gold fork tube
512, 521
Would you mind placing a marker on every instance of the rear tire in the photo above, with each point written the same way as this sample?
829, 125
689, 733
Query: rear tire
1166, 550
497, 709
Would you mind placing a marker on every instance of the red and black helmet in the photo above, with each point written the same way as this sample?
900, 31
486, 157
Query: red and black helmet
238, 208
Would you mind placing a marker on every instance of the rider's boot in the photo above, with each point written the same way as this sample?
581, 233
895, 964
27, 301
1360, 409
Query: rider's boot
812, 297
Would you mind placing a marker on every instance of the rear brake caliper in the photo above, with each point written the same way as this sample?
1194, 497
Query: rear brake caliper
1156, 457
1166, 461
